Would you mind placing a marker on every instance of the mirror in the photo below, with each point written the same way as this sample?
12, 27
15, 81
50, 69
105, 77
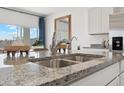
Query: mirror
63, 28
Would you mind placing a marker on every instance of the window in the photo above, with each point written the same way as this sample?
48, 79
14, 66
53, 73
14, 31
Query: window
10, 33
34, 35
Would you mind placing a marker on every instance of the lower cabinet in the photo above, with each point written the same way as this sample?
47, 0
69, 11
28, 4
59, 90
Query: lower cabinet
100, 78
110, 76
122, 79
114, 82
122, 65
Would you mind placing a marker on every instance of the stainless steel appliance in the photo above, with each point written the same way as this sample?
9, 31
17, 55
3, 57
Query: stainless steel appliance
116, 33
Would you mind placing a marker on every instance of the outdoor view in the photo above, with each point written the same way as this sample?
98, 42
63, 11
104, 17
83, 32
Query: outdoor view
9, 33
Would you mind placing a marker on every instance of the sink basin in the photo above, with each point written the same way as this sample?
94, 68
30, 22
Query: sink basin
82, 57
56, 63
65, 60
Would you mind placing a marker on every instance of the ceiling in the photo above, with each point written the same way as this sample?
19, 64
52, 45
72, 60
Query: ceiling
40, 11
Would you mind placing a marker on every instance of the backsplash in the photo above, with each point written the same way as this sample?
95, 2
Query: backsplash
98, 39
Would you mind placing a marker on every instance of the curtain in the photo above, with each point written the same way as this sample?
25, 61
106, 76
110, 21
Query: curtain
42, 30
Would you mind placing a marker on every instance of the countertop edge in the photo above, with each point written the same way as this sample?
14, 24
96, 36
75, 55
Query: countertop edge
68, 79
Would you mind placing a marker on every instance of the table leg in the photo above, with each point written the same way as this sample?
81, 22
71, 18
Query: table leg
13, 53
27, 52
64, 49
21, 53
8, 53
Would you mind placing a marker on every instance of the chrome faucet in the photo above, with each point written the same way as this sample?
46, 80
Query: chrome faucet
54, 47
73, 38
70, 43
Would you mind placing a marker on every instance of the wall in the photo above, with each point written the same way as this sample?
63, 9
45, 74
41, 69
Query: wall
79, 27
15, 18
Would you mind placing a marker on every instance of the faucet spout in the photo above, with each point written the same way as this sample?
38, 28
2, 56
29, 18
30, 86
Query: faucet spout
54, 47
74, 37
70, 43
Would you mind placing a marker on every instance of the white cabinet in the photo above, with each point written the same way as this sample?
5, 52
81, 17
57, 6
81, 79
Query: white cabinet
121, 71
100, 78
99, 20
122, 79
114, 82
105, 19
122, 66
118, 10
94, 20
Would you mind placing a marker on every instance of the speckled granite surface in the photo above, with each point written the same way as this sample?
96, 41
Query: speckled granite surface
34, 74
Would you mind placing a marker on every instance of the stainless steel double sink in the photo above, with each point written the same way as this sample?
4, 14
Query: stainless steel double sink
56, 63
66, 60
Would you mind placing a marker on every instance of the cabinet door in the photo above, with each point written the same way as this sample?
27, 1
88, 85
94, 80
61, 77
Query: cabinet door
114, 82
122, 65
99, 20
105, 19
122, 79
100, 78
94, 20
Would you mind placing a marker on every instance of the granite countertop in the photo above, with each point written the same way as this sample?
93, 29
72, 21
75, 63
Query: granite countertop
34, 74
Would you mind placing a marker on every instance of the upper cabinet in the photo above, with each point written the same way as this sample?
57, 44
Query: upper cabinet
118, 10
99, 20
94, 20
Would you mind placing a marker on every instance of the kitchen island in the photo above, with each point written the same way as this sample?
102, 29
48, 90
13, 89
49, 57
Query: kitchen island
33, 74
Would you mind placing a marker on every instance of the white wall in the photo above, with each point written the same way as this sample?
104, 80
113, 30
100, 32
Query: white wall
15, 18
79, 27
